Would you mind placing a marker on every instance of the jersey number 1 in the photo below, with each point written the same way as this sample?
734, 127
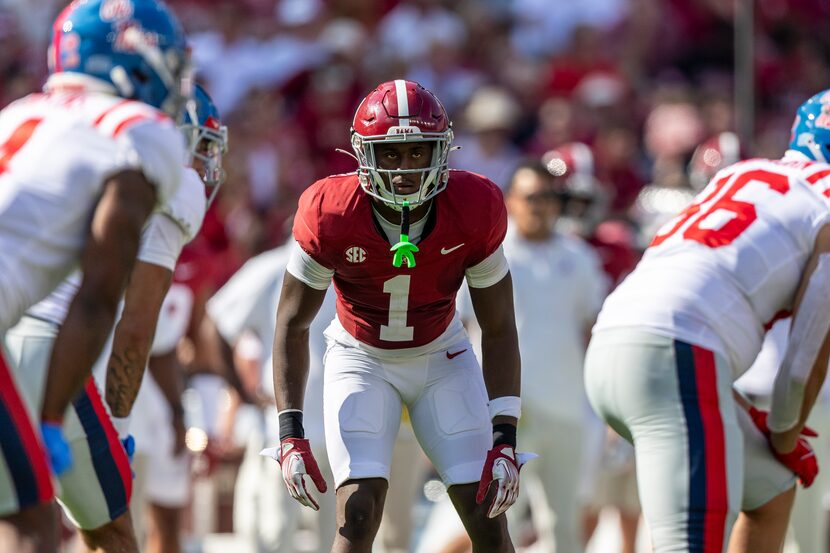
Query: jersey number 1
742, 213
17, 140
398, 290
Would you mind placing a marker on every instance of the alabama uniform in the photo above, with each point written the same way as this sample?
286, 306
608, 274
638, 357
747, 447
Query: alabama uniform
97, 488
689, 320
45, 209
397, 338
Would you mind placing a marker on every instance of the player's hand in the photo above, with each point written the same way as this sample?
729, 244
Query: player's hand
129, 447
57, 448
297, 462
501, 465
801, 460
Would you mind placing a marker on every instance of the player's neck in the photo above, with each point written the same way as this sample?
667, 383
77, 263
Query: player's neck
394, 216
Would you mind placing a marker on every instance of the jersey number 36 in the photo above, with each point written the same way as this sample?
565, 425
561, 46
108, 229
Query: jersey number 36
695, 222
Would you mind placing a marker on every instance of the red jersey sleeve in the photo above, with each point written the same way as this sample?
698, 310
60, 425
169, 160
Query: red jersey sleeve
307, 225
493, 227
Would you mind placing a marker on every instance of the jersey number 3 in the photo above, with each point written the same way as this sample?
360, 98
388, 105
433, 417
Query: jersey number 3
740, 213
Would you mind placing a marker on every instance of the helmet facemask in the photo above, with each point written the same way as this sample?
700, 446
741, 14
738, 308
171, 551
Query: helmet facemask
377, 182
207, 143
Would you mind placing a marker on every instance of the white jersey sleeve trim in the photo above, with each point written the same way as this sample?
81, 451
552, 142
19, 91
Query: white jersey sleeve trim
305, 269
488, 272
810, 326
162, 241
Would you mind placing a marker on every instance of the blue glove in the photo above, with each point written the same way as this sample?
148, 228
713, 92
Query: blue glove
60, 456
129, 447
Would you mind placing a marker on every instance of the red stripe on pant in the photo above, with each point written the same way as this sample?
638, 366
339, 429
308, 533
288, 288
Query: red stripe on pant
35, 452
717, 494
118, 453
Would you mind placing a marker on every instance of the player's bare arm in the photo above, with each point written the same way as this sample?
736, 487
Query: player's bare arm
500, 361
134, 335
218, 354
812, 284
298, 305
107, 260
169, 375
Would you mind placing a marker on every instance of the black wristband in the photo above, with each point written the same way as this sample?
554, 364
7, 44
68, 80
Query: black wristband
504, 433
291, 424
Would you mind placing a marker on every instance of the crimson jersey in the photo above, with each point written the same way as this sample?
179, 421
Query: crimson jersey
377, 303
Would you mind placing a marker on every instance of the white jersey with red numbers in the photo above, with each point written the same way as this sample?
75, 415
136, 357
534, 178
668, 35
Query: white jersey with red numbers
56, 152
164, 236
723, 270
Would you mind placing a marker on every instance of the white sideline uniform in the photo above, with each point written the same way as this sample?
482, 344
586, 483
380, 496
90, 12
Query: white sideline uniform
558, 288
266, 514
56, 152
97, 488
689, 320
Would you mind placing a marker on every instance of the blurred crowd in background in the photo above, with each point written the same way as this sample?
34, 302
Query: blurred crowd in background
642, 82
623, 92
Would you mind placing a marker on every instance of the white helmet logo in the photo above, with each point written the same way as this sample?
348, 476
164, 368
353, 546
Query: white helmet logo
116, 10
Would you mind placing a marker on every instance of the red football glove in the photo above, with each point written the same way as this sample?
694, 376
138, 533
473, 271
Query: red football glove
297, 461
501, 465
801, 460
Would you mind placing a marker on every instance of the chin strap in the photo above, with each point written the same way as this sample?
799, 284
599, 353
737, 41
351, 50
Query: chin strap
404, 250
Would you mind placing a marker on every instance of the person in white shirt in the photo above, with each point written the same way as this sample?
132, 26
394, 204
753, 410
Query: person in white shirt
266, 514
753, 247
559, 287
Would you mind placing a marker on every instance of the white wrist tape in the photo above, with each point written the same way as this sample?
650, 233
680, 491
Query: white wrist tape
510, 406
810, 326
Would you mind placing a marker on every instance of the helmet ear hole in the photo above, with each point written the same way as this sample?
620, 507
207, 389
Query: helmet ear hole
140, 76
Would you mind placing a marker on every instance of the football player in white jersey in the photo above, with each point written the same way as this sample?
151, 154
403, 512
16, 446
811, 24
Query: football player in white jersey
96, 490
690, 319
82, 166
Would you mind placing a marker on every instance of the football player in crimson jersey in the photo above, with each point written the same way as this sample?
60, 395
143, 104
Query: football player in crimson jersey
397, 237
754, 246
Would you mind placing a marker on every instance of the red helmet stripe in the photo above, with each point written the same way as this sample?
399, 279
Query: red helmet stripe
403, 102
57, 36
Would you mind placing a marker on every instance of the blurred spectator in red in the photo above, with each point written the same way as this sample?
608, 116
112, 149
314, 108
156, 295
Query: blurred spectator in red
618, 164
545, 27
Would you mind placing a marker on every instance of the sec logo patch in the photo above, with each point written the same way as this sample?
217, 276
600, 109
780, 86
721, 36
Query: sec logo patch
355, 254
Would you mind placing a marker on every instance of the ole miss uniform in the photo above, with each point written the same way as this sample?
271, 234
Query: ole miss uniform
56, 152
689, 320
397, 337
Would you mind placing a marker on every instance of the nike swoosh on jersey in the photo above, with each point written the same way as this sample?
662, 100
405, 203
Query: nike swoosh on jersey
456, 354
445, 251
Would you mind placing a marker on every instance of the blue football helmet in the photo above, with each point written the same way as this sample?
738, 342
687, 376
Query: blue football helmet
135, 48
207, 138
811, 128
